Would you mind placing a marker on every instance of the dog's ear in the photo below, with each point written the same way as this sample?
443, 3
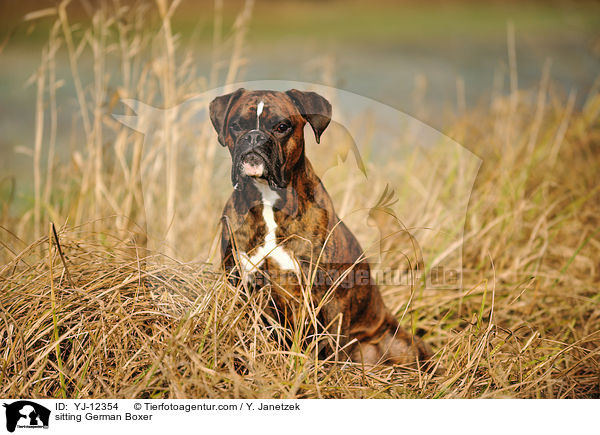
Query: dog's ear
314, 108
219, 110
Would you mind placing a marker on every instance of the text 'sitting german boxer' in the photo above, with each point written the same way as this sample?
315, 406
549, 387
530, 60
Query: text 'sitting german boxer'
279, 225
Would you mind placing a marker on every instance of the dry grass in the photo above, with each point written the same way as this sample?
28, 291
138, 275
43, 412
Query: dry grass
83, 317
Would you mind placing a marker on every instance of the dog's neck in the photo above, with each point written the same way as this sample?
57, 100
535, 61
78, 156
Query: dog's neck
292, 199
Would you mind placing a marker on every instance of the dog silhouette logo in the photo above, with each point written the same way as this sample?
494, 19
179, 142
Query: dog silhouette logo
26, 414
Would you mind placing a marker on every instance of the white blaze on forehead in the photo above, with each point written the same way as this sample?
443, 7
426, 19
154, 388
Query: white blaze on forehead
259, 111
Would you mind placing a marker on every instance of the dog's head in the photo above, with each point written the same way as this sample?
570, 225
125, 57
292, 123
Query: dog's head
264, 131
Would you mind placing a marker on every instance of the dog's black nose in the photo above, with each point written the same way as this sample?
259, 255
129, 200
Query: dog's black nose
255, 138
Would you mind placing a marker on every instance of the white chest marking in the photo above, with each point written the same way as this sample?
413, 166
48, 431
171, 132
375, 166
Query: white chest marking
269, 249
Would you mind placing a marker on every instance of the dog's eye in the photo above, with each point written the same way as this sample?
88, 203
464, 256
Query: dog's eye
282, 127
235, 127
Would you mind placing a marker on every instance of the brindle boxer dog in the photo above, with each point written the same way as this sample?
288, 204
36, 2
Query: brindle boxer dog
280, 224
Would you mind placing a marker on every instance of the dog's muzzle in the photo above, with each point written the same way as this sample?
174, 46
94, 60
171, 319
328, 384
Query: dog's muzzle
256, 157
252, 152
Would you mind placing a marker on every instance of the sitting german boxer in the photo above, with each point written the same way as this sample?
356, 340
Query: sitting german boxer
280, 224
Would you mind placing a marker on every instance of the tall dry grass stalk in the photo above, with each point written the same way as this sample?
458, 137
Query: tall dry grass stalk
80, 316
129, 60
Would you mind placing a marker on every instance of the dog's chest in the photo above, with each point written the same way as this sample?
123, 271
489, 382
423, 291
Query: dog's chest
265, 243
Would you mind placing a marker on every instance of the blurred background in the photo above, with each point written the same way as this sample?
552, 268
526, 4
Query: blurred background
434, 61
428, 59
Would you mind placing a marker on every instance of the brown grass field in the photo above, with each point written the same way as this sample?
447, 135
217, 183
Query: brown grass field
87, 313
